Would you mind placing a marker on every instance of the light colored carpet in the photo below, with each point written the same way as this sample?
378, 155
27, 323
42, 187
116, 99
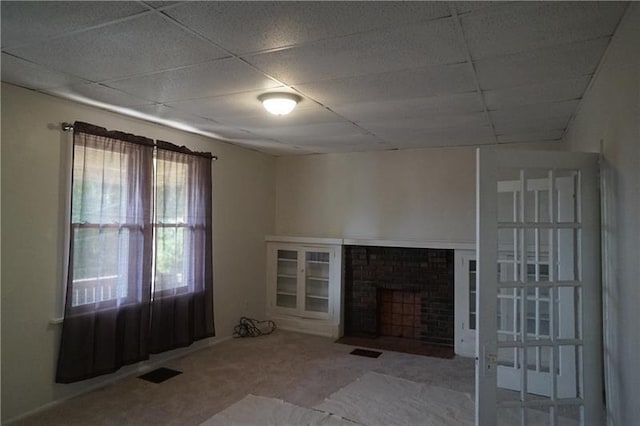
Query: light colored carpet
260, 411
381, 400
298, 368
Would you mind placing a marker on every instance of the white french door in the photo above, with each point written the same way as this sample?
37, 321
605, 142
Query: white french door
538, 318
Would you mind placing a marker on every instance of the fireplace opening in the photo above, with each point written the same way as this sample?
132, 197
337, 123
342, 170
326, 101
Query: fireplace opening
399, 314
397, 298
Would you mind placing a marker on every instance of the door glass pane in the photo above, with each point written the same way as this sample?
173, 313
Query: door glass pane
567, 196
569, 415
539, 379
317, 281
508, 314
287, 279
539, 416
568, 254
569, 318
569, 377
509, 254
509, 416
538, 313
538, 254
509, 200
536, 199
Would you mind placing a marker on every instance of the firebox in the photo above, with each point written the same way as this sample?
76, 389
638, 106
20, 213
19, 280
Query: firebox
399, 292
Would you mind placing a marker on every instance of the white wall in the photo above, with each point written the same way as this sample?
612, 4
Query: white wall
408, 195
610, 112
401, 195
33, 201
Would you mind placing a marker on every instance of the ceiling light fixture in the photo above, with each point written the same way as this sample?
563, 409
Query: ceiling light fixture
279, 103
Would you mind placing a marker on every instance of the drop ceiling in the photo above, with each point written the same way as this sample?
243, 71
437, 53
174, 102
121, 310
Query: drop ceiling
372, 75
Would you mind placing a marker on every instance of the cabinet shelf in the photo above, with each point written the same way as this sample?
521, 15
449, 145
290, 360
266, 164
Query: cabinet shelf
304, 284
313, 296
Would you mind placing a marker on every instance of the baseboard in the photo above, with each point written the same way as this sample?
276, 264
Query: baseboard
139, 368
308, 326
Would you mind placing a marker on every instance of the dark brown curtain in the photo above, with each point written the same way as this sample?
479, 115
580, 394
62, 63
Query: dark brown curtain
182, 306
107, 307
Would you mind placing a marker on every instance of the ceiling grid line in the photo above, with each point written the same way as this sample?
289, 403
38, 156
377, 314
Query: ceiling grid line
456, 18
597, 70
271, 77
371, 75
137, 15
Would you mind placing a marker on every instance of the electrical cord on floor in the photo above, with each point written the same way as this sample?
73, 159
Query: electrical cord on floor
250, 327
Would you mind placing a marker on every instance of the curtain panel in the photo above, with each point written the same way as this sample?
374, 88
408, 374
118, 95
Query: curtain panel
140, 277
107, 305
182, 308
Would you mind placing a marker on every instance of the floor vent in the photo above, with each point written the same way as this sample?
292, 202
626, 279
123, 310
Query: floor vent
159, 375
366, 352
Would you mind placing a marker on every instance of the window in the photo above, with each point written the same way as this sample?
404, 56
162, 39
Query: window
140, 275
102, 226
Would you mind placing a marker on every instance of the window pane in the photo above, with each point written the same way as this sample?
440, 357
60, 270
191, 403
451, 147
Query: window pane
170, 261
100, 185
171, 191
99, 264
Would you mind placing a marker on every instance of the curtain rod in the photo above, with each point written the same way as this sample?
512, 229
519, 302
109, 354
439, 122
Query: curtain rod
67, 127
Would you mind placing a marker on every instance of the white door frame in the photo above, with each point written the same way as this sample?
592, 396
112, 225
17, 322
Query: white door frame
489, 161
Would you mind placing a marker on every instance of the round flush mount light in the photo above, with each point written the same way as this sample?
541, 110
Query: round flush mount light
279, 103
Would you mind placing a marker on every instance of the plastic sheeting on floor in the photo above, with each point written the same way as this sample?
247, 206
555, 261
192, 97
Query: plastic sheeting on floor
260, 411
373, 400
380, 400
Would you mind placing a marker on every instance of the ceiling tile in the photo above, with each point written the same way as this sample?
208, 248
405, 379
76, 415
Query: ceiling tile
187, 121
409, 108
524, 26
533, 118
463, 7
272, 147
368, 53
299, 117
404, 84
311, 133
29, 21
558, 63
136, 46
99, 93
428, 123
420, 138
546, 135
26, 74
173, 114
220, 107
346, 142
530, 125
219, 77
553, 91
280, 24
544, 111
161, 4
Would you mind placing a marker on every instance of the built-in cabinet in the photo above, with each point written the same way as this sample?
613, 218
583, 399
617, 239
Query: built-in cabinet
465, 303
304, 285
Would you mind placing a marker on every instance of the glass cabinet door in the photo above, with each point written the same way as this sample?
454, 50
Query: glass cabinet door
316, 281
287, 279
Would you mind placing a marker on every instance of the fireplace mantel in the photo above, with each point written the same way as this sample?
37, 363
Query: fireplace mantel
433, 244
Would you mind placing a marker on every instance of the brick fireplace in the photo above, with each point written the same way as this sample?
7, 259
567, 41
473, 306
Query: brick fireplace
400, 293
